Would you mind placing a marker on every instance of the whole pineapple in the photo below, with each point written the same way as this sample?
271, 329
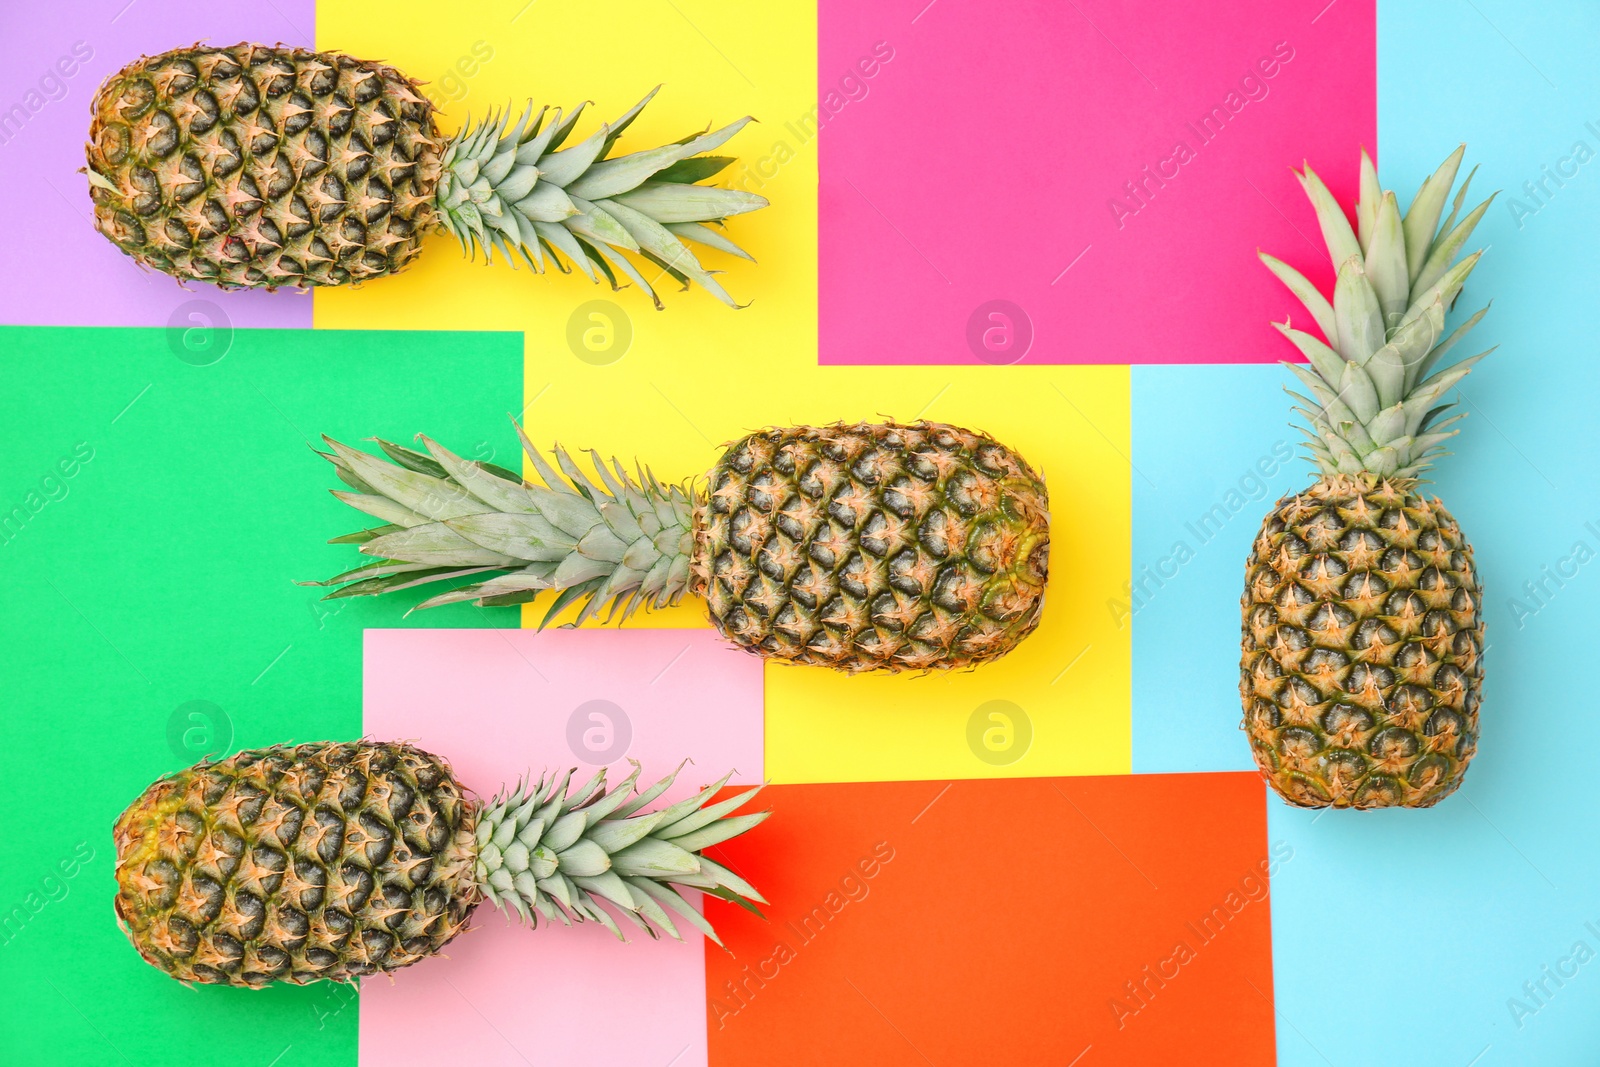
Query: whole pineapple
253, 166
1362, 664
336, 860
857, 547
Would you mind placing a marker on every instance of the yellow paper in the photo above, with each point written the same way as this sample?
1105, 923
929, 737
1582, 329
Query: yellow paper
700, 374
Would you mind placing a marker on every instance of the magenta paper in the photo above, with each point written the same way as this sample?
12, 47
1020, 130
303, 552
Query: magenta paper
1074, 182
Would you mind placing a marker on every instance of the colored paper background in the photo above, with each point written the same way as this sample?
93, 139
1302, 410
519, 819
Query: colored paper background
983, 160
925, 929
148, 591
503, 704
150, 618
1488, 893
56, 269
1507, 882
697, 375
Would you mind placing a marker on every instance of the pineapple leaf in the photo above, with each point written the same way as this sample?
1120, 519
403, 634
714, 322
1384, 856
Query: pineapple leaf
1368, 199
600, 226
659, 242
1324, 360
1455, 208
1357, 390
696, 819
1439, 350
668, 202
705, 235
1422, 217
566, 166
435, 543
412, 460
1445, 289
371, 570
734, 898
1305, 292
1358, 318
1336, 232
560, 127
1445, 249
546, 202
424, 494
693, 170
641, 799
1386, 261
622, 264
403, 580
381, 507
622, 122
720, 831
612, 176
567, 596
726, 879
361, 537
521, 536
673, 899
501, 493
561, 239
668, 269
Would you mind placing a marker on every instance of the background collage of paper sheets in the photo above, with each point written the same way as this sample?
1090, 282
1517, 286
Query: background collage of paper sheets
1088, 890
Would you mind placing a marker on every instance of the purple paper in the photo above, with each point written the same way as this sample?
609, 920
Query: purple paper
56, 269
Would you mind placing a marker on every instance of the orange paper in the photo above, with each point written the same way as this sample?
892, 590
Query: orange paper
1099, 920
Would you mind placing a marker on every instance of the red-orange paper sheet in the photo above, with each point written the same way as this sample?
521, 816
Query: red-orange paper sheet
1103, 920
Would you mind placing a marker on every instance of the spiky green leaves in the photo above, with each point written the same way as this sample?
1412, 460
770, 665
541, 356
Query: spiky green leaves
1377, 386
546, 852
519, 192
621, 544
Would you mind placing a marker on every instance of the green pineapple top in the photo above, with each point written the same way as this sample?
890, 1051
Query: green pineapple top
519, 192
547, 851
618, 546
1377, 384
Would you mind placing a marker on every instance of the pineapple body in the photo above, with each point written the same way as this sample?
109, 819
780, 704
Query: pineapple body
874, 545
1362, 665
325, 861
254, 166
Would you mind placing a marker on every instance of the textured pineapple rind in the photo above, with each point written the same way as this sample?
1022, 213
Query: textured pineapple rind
332, 860
254, 166
1362, 665
873, 546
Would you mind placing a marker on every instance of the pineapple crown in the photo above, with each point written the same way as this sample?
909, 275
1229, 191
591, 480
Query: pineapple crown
1376, 383
619, 545
517, 191
547, 851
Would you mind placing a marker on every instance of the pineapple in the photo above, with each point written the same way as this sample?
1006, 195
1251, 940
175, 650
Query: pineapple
849, 546
1362, 664
336, 860
254, 167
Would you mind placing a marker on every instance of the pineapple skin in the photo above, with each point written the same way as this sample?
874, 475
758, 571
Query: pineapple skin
873, 546
1362, 666
323, 861
252, 166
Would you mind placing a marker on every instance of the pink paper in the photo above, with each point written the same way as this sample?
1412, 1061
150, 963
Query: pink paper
971, 157
498, 704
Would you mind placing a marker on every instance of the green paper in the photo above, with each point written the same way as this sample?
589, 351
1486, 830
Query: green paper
154, 515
